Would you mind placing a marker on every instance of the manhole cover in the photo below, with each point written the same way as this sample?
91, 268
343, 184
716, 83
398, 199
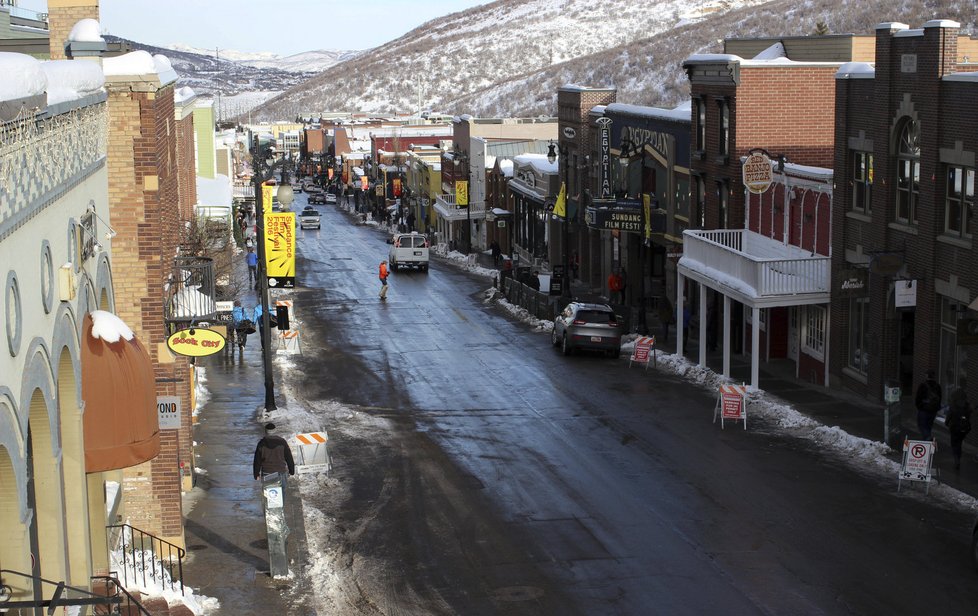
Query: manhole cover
513, 594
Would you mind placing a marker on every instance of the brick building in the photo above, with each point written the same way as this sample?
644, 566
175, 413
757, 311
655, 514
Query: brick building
905, 144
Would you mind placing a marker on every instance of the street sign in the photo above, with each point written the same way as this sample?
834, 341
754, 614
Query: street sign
731, 404
918, 460
644, 347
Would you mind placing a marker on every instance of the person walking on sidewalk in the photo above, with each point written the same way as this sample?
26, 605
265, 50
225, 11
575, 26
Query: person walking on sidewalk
616, 287
252, 260
496, 253
928, 403
958, 422
382, 274
273, 455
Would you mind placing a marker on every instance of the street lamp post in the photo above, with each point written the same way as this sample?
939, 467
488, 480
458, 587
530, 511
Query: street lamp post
460, 158
628, 151
565, 163
264, 167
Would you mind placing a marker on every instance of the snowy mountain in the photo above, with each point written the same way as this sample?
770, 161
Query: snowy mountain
508, 57
306, 62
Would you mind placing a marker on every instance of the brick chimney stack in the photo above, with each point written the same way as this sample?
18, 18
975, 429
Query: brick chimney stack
62, 17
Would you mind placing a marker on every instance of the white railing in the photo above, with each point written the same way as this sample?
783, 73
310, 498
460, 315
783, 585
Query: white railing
757, 265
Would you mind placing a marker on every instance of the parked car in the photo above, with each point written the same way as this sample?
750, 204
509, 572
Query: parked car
309, 218
587, 326
330, 197
317, 197
408, 249
296, 187
309, 187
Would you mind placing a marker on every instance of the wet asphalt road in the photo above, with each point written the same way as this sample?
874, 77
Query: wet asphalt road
618, 493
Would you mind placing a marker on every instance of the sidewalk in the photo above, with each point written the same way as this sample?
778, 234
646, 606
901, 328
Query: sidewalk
225, 526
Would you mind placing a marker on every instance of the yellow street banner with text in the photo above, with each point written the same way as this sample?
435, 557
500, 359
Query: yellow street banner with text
267, 194
560, 208
280, 249
462, 193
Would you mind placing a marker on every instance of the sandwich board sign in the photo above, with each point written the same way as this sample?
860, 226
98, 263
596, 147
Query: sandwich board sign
644, 347
918, 462
731, 404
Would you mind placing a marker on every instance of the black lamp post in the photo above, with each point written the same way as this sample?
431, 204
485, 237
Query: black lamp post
552, 156
628, 151
460, 158
264, 166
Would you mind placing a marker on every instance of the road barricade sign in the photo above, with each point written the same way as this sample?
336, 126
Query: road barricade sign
289, 340
731, 404
918, 462
644, 347
313, 453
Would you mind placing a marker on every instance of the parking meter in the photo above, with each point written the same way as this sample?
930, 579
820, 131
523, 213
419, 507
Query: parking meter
276, 529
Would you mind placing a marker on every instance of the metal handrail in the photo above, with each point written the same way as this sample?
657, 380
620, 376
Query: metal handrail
164, 557
120, 598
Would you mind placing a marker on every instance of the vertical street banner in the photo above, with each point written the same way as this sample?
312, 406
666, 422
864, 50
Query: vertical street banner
605, 124
280, 249
462, 192
267, 194
397, 187
364, 183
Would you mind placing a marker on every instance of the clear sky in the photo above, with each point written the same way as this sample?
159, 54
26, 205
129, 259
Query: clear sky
284, 27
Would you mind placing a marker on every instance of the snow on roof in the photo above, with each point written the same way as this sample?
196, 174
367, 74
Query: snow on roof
490, 162
183, 94
909, 33
506, 167
539, 162
961, 77
942, 23
817, 173
108, 327
140, 63
772, 52
22, 76
712, 58
891, 25
358, 171
598, 109
681, 113
856, 70
86, 31
215, 191
70, 80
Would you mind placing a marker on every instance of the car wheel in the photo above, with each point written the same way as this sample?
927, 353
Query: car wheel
554, 338
424, 268
565, 346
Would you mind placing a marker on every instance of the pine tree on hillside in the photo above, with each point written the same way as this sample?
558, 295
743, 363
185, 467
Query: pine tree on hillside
821, 29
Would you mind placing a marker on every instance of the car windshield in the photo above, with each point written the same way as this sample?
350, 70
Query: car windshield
595, 316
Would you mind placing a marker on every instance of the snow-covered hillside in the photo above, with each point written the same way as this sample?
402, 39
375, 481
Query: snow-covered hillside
315, 61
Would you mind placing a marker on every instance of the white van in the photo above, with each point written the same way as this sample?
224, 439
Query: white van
408, 249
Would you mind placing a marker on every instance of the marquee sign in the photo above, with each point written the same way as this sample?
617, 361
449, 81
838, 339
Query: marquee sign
605, 126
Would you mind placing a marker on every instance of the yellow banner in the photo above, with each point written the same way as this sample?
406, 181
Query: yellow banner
280, 249
560, 208
267, 194
462, 192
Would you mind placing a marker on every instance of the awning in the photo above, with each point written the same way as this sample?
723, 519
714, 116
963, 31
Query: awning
119, 388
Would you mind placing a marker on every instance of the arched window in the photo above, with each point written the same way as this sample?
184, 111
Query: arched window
908, 172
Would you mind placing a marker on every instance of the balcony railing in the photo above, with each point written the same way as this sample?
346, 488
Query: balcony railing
190, 291
755, 265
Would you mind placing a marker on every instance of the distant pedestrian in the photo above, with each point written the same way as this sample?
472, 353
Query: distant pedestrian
410, 221
616, 287
958, 422
575, 264
252, 260
928, 402
273, 455
496, 252
382, 274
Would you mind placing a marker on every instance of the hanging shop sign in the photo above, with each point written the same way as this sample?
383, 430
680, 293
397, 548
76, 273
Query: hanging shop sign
905, 293
195, 342
462, 193
757, 172
280, 249
168, 409
620, 219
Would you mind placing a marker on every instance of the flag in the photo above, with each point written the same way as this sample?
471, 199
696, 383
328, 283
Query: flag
560, 208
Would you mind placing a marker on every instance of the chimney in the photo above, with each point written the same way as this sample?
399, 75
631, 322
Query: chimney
62, 17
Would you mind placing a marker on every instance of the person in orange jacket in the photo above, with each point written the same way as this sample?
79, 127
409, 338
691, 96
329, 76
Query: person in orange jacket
616, 286
383, 279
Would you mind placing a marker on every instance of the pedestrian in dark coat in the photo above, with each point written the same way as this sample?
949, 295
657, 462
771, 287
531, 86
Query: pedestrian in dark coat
496, 252
928, 402
272, 455
958, 422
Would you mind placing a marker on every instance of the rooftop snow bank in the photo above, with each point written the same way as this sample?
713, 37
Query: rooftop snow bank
86, 31
23, 76
108, 327
70, 80
140, 63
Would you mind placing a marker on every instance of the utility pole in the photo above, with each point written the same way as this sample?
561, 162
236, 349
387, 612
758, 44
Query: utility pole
217, 57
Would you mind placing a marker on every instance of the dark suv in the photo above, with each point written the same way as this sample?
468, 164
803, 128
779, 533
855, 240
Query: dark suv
587, 326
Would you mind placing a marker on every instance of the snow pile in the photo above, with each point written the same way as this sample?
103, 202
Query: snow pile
463, 261
520, 313
70, 80
143, 572
86, 31
140, 63
22, 76
201, 393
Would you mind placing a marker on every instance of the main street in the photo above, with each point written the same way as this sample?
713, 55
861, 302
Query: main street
478, 471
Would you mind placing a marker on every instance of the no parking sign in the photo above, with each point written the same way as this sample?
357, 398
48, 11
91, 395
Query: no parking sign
918, 461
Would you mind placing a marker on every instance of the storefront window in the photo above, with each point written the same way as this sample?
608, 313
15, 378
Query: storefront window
959, 201
953, 360
724, 126
700, 125
722, 201
908, 172
862, 182
814, 335
700, 196
858, 358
